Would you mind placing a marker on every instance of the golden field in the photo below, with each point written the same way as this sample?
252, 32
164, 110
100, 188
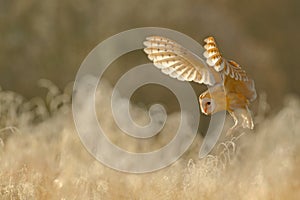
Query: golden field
44, 159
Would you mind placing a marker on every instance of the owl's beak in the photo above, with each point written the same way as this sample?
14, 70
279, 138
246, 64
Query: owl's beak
205, 110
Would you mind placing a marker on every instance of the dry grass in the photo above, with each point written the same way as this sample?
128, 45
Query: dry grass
41, 157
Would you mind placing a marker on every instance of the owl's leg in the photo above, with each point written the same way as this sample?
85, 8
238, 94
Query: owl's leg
242, 119
235, 126
247, 121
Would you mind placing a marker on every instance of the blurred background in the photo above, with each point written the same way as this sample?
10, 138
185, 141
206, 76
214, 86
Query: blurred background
42, 157
50, 39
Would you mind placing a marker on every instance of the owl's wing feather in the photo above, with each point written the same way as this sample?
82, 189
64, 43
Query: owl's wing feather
220, 64
178, 62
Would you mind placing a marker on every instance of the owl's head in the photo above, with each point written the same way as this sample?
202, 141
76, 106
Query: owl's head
213, 100
207, 105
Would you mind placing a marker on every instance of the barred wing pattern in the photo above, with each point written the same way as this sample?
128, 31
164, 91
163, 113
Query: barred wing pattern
176, 61
214, 59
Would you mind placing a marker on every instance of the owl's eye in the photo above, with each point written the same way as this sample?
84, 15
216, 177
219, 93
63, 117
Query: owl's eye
208, 103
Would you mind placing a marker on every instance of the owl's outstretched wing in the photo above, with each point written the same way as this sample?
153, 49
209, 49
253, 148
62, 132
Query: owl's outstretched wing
220, 64
236, 78
178, 62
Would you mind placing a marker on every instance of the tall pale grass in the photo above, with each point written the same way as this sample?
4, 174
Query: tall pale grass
41, 156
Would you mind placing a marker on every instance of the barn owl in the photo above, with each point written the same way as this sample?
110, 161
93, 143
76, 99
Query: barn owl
229, 87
